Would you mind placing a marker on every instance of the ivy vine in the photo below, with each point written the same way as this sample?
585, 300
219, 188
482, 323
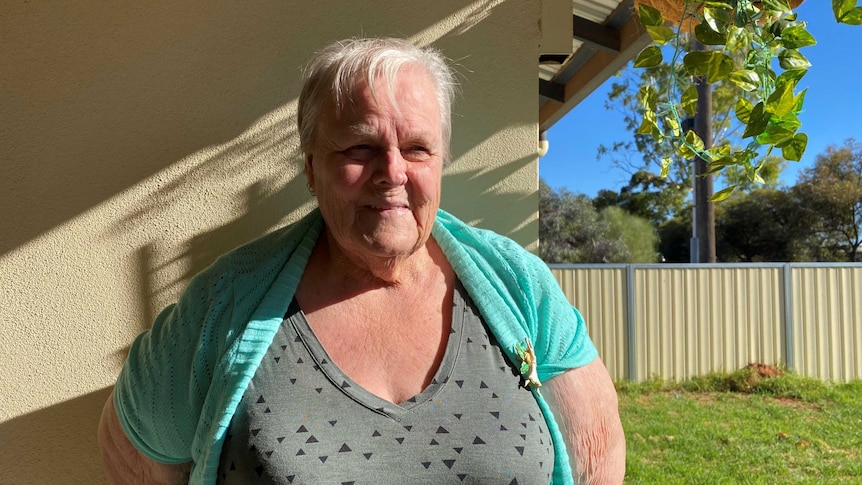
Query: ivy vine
741, 40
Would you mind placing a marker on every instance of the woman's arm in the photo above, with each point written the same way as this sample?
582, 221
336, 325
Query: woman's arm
124, 464
585, 406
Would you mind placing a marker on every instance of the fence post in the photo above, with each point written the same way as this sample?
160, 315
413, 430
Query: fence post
630, 322
788, 317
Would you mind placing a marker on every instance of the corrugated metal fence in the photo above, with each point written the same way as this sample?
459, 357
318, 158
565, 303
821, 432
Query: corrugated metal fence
677, 321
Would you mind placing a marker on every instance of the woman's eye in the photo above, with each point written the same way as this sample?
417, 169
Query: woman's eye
416, 151
361, 153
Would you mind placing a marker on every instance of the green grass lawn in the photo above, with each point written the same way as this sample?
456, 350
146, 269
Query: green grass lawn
742, 428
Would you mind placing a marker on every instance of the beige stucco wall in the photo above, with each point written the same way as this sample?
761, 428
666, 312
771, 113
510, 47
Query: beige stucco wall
139, 142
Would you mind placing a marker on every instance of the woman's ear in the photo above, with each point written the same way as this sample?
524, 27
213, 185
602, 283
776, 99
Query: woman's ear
309, 173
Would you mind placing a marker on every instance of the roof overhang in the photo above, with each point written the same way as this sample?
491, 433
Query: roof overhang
604, 35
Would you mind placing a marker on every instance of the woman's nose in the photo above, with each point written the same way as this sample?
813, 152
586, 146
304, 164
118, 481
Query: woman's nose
391, 169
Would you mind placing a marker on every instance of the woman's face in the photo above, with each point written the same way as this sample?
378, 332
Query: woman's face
376, 167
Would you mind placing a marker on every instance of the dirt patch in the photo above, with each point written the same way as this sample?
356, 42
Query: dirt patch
765, 370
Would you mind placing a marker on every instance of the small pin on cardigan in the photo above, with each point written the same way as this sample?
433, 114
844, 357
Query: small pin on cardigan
528, 364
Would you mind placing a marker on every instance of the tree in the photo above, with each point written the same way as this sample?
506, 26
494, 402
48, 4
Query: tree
674, 237
830, 198
571, 230
662, 179
636, 233
763, 225
647, 196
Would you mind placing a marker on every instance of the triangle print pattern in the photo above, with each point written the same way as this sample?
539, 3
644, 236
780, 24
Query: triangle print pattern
303, 421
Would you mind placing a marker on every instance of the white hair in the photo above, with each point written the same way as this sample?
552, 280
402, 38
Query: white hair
337, 71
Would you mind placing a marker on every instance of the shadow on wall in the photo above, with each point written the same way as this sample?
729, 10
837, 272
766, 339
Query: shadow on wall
505, 212
57, 443
105, 98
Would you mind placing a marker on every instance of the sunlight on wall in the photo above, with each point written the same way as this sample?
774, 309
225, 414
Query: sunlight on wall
149, 141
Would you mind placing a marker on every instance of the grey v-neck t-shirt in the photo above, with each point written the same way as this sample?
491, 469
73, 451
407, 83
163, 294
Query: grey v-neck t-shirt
303, 421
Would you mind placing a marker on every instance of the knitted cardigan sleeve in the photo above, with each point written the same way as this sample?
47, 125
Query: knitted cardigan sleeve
517, 294
519, 297
184, 376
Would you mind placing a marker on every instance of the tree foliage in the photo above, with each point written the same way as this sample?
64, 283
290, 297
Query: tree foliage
763, 225
636, 233
830, 199
661, 179
571, 230
817, 219
647, 196
674, 235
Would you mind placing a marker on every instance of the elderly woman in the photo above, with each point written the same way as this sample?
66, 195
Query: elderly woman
379, 339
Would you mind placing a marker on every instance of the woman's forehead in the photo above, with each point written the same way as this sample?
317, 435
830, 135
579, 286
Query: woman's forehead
410, 99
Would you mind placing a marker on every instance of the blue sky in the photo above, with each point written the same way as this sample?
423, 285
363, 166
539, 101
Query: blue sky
832, 111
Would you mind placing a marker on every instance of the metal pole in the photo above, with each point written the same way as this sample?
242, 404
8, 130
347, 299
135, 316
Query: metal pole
703, 183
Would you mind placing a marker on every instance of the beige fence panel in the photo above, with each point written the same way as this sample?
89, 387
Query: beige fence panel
690, 321
679, 321
599, 294
827, 321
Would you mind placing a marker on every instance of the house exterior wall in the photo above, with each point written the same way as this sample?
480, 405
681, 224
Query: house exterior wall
140, 142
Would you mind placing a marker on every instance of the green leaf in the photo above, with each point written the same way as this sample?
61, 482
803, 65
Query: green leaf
794, 148
649, 57
673, 125
790, 121
743, 110
720, 67
776, 6
688, 100
798, 101
736, 38
692, 145
842, 8
795, 37
650, 17
781, 101
758, 120
790, 59
648, 98
722, 194
649, 126
792, 77
708, 36
745, 79
757, 178
853, 17
660, 34
717, 18
721, 163
776, 134
694, 140
665, 166
697, 63
715, 65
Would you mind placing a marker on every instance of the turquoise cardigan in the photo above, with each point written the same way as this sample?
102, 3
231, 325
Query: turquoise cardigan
184, 377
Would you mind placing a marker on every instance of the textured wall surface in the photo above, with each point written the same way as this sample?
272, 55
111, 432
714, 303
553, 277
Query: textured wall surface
139, 143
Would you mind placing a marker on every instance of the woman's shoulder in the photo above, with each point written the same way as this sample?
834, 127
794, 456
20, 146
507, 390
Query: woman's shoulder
271, 249
485, 242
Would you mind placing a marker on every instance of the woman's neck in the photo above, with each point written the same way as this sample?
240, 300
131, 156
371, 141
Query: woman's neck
332, 276
361, 269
